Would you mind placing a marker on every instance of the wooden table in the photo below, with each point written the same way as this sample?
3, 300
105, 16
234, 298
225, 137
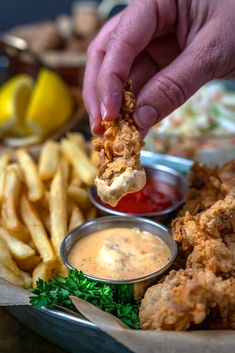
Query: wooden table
16, 338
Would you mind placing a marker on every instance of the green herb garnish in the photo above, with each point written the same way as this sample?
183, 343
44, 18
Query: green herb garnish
116, 300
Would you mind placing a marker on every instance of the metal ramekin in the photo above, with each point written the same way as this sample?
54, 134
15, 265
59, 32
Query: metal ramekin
140, 283
159, 172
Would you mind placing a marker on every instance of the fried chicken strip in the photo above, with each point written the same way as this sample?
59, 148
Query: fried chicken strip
120, 171
186, 297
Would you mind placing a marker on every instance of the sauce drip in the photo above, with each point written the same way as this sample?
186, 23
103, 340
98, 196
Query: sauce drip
156, 196
119, 254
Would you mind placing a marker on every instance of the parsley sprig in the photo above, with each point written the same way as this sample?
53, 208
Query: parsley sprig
116, 300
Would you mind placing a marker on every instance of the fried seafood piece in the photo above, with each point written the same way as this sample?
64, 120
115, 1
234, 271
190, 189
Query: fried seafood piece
224, 311
120, 171
186, 297
226, 175
208, 185
210, 235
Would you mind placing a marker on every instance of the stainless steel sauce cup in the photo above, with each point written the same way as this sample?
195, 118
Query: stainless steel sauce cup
160, 173
139, 284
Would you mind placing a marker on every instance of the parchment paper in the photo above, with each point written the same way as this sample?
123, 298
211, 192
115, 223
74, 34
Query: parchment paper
12, 295
138, 341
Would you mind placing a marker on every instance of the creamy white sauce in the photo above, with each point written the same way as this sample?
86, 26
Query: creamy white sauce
119, 254
129, 181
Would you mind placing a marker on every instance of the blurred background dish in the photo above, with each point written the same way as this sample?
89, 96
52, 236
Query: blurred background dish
202, 129
62, 39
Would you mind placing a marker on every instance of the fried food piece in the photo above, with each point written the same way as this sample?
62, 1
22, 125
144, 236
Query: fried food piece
120, 170
204, 189
227, 176
224, 312
210, 235
208, 185
186, 297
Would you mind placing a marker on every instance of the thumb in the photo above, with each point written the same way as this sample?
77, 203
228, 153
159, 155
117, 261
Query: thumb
171, 87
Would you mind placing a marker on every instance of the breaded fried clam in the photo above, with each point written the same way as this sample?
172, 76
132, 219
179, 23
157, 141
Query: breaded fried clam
120, 171
210, 236
186, 297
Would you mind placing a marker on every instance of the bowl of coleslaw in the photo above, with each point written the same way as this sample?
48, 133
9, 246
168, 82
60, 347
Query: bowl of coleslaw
201, 129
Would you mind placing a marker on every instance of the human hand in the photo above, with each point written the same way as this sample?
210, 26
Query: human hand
169, 49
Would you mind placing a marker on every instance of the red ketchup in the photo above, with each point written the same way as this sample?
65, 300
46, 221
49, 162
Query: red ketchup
156, 196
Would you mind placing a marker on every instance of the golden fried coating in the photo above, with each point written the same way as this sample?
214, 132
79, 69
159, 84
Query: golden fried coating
208, 185
203, 292
120, 170
186, 297
210, 235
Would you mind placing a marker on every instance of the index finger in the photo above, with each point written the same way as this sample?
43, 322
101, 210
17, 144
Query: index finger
140, 23
134, 31
96, 53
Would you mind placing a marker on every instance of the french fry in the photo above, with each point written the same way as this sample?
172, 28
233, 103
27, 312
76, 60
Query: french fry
75, 180
6, 258
30, 174
37, 230
48, 160
77, 138
95, 158
21, 234
62, 269
10, 276
4, 161
58, 210
44, 201
17, 248
70, 206
27, 279
11, 194
79, 195
44, 271
92, 214
2, 178
64, 164
39, 203
32, 245
16, 167
30, 263
79, 160
76, 218
45, 218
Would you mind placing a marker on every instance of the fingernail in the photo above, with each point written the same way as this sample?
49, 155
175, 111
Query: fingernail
145, 117
103, 111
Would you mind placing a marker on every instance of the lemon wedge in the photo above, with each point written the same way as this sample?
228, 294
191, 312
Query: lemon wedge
50, 105
14, 98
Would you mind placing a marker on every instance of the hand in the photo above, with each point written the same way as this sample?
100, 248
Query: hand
168, 48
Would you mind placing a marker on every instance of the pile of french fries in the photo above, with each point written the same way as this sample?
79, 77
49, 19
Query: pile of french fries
42, 198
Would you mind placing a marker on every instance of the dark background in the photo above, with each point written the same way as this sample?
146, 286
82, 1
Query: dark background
14, 12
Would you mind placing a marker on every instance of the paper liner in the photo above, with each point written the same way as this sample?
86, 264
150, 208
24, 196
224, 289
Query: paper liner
12, 295
139, 341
